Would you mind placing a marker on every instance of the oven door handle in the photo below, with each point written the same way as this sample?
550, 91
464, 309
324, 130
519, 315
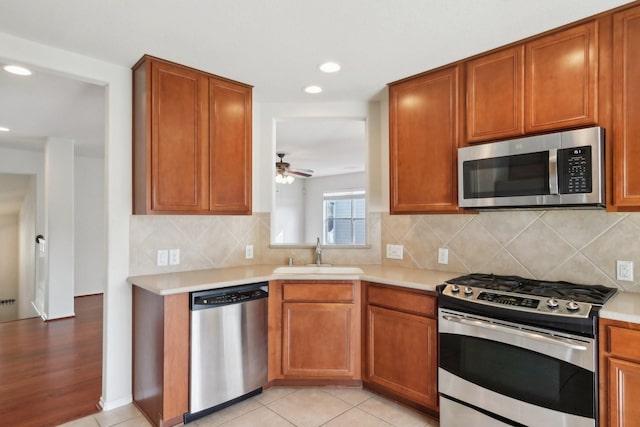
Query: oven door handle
575, 345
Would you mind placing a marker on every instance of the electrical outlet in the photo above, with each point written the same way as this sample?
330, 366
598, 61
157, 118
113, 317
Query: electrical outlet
443, 256
624, 270
248, 251
163, 257
174, 257
394, 251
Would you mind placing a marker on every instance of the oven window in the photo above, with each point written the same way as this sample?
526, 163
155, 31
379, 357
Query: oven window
519, 175
519, 373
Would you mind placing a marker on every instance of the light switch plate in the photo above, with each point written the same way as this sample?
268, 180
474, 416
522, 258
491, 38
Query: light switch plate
248, 252
394, 251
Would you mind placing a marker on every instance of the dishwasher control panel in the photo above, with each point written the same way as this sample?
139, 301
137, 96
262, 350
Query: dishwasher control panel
225, 296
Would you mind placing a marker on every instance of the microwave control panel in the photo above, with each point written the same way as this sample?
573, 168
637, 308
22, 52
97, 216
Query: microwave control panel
574, 167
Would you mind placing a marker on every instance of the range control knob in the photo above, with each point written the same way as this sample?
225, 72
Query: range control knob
572, 306
552, 303
455, 289
468, 290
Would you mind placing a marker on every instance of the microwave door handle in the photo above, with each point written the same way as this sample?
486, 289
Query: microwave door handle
553, 171
566, 342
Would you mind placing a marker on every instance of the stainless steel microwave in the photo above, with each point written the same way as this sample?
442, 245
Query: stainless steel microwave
563, 169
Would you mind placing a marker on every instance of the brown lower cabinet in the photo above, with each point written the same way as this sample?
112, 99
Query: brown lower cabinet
161, 356
321, 332
400, 339
314, 331
619, 373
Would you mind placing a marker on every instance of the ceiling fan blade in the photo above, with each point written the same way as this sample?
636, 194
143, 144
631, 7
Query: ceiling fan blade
299, 173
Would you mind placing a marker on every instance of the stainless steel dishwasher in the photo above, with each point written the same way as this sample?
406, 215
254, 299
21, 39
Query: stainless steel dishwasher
228, 355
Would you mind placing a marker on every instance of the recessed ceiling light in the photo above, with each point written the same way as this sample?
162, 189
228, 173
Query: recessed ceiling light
313, 89
16, 69
330, 67
4, 129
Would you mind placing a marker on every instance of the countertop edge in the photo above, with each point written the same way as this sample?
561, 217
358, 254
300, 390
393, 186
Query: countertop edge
198, 280
624, 306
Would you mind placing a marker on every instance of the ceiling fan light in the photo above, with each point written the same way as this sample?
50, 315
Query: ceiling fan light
290, 179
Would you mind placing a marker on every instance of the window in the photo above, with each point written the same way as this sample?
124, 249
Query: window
345, 220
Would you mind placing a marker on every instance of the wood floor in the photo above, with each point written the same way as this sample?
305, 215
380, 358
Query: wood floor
51, 372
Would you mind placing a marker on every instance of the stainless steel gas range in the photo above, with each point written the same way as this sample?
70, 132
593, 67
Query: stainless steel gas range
518, 352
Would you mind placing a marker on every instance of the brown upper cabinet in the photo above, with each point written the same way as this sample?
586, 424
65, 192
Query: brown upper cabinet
423, 142
626, 109
495, 95
545, 84
561, 76
191, 141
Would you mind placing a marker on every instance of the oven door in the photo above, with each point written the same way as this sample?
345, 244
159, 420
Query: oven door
513, 374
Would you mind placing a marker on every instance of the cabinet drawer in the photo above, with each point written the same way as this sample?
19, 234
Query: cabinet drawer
624, 342
334, 292
399, 299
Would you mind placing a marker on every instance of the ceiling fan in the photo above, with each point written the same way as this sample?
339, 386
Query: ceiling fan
283, 168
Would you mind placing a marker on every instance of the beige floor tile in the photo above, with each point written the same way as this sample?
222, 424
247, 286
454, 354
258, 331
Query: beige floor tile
117, 415
261, 417
351, 395
228, 414
82, 422
356, 417
395, 414
309, 407
134, 422
274, 393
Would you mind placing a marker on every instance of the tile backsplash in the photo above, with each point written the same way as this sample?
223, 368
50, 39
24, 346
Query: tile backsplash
576, 246
579, 246
208, 241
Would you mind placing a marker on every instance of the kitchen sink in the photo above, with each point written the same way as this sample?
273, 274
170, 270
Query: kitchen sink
315, 269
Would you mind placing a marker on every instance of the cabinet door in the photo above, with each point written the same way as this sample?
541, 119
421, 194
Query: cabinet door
423, 123
561, 79
402, 354
179, 139
319, 340
495, 95
624, 389
230, 147
626, 108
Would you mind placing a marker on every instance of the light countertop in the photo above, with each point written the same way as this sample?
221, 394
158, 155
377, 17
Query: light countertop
200, 280
624, 306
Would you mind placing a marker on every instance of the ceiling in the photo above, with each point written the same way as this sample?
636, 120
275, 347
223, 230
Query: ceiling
274, 45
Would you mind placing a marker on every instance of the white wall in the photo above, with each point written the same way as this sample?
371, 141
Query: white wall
289, 218
89, 226
27, 251
59, 165
9, 272
116, 375
315, 189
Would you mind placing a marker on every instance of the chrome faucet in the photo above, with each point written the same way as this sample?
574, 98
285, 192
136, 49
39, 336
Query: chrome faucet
318, 252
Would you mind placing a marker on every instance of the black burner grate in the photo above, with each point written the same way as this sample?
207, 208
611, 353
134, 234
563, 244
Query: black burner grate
593, 294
